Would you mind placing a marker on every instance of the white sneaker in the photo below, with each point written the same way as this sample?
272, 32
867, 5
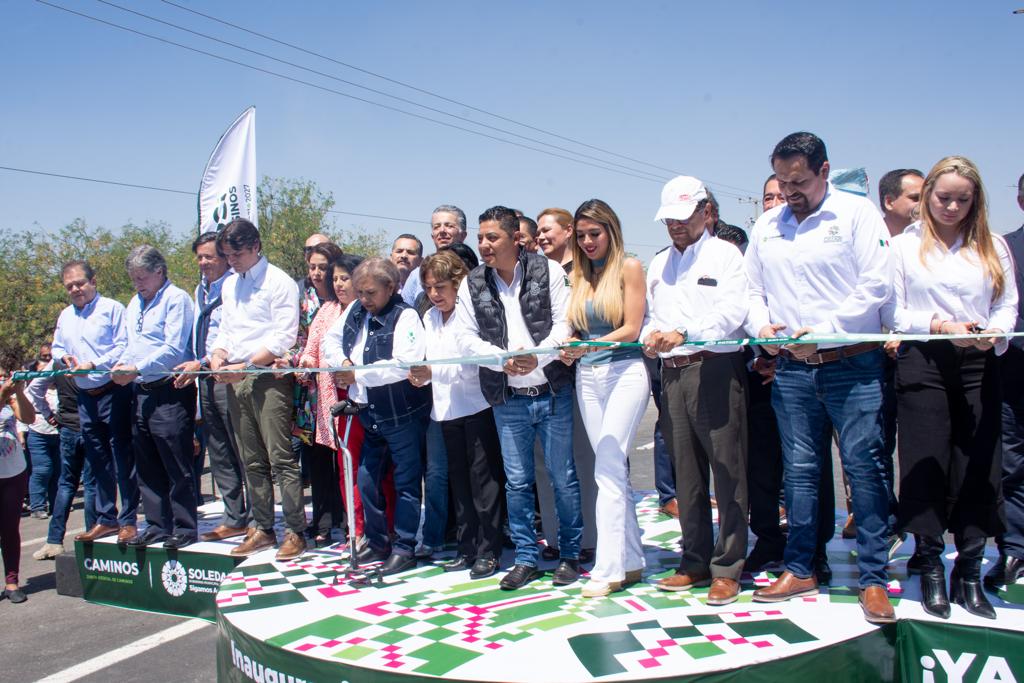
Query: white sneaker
49, 551
599, 589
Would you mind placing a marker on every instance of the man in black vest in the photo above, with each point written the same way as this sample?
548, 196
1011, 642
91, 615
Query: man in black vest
1011, 544
517, 300
225, 464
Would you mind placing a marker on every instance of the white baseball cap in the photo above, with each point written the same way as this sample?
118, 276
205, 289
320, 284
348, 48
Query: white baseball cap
680, 197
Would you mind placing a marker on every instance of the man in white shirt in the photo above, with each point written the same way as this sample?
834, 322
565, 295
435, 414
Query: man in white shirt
447, 227
821, 264
259, 323
517, 300
697, 289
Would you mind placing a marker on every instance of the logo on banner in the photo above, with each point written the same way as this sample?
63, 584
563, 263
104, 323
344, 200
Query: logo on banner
257, 671
967, 667
174, 578
117, 567
227, 208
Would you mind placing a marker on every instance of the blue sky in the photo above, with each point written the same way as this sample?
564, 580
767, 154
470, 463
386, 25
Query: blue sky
705, 89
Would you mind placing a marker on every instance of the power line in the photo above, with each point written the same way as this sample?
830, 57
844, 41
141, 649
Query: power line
168, 189
317, 86
373, 90
434, 94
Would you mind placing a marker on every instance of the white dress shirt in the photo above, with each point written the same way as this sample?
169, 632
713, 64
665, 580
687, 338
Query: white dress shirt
409, 346
468, 330
702, 289
456, 387
951, 285
95, 333
260, 310
832, 272
412, 287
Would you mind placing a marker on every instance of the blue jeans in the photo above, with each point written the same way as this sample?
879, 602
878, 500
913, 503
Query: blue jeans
383, 445
44, 449
520, 420
849, 392
435, 487
73, 469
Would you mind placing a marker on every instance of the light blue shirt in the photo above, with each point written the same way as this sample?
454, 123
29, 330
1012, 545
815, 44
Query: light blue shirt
206, 294
96, 333
159, 332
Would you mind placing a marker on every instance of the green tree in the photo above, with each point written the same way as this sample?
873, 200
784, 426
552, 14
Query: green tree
290, 210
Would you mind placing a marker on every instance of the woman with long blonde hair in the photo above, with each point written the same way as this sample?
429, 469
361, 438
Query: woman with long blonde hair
953, 276
607, 304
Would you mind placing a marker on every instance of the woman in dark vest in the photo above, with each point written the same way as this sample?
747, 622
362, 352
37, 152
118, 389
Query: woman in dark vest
376, 330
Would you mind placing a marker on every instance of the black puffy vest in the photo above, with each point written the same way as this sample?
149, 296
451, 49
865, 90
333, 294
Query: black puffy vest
535, 303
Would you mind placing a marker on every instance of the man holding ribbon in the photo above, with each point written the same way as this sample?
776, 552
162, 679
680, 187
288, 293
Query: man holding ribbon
259, 323
159, 327
697, 289
821, 265
91, 334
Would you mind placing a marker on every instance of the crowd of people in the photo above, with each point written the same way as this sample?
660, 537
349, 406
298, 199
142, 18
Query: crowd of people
483, 450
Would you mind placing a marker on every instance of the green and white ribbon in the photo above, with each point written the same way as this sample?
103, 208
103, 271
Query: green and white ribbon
500, 358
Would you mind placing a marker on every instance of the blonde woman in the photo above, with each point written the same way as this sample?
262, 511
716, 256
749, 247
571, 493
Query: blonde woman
612, 387
952, 277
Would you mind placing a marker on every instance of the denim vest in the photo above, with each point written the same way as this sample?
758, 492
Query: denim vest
535, 302
392, 404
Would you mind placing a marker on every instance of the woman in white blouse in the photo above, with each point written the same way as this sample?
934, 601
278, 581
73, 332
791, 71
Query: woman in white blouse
953, 276
475, 470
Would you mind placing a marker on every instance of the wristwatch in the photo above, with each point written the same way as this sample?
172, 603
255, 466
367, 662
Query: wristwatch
682, 331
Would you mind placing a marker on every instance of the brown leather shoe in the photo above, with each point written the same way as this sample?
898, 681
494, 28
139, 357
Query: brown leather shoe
258, 541
723, 591
95, 533
787, 586
875, 603
670, 508
293, 546
681, 581
222, 532
633, 576
127, 533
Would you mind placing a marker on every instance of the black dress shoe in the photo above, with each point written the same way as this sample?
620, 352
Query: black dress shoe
175, 541
483, 567
16, 596
368, 554
458, 564
969, 595
549, 553
933, 591
397, 563
567, 571
149, 536
520, 575
586, 555
1005, 572
916, 564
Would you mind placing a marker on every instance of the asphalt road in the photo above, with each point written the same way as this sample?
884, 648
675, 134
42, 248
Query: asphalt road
59, 637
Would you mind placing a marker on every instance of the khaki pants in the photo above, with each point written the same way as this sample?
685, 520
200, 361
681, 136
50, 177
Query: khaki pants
261, 416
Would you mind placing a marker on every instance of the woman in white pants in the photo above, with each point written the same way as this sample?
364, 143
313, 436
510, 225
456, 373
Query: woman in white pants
612, 386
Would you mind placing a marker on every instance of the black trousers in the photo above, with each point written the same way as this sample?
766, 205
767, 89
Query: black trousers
477, 479
162, 437
949, 402
325, 489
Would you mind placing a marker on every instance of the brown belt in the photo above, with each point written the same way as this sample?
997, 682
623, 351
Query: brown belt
151, 386
830, 355
683, 361
99, 391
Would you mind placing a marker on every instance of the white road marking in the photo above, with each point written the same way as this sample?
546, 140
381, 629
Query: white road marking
42, 539
106, 659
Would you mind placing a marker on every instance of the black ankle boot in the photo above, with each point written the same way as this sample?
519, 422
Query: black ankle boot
933, 576
965, 581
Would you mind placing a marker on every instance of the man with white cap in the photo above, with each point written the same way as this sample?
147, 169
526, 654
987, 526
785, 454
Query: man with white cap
697, 289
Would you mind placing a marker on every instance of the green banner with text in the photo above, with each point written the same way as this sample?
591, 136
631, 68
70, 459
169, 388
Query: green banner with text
930, 652
152, 579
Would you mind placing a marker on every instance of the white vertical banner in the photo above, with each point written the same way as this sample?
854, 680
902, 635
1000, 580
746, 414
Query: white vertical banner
228, 189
